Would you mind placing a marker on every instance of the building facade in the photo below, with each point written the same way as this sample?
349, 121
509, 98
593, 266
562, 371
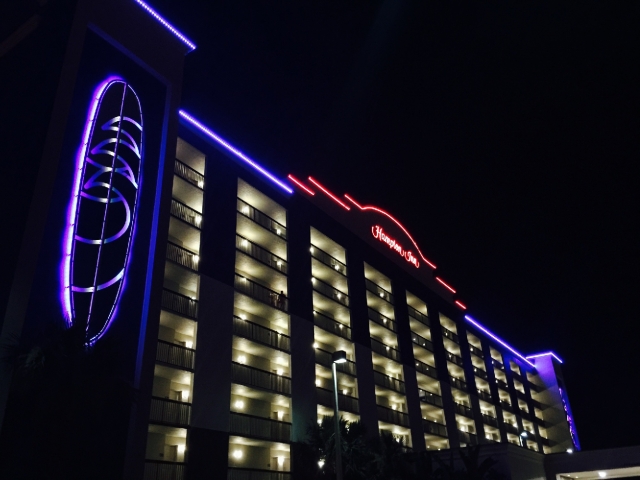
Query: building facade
228, 287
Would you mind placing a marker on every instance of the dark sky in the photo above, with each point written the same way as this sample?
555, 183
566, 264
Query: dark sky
505, 135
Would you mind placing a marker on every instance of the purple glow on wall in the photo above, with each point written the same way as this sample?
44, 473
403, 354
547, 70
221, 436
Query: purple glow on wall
500, 341
572, 426
102, 210
212, 135
545, 354
167, 25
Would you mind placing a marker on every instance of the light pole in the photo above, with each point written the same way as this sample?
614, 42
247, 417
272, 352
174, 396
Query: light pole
522, 436
339, 356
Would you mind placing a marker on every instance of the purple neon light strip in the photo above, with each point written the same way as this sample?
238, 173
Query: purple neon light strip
167, 25
235, 151
544, 354
501, 342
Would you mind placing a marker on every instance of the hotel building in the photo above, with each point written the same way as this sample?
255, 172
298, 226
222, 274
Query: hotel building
228, 287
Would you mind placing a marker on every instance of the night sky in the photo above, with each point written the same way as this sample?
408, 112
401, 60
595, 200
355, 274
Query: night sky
504, 135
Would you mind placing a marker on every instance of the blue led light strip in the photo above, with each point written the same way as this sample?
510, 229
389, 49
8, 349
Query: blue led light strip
501, 342
208, 132
544, 354
167, 25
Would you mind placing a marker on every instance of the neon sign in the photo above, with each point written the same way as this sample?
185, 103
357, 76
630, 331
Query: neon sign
379, 234
102, 210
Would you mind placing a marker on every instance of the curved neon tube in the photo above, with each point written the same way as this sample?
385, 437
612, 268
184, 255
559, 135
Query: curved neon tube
329, 194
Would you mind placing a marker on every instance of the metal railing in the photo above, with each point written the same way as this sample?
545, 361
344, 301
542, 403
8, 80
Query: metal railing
262, 255
260, 334
324, 358
431, 398
421, 317
385, 350
261, 293
485, 395
386, 381
463, 410
330, 292
379, 291
468, 438
175, 355
450, 335
426, 369
453, 358
159, 470
506, 405
182, 256
480, 373
502, 383
254, 474
433, 428
259, 427
180, 304
186, 213
328, 260
457, 383
187, 173
254, 377
331, 325
262, 219
511, 428
380, 319
392, 416
423, 342
171, 412
345, 402
476, 351
489, 420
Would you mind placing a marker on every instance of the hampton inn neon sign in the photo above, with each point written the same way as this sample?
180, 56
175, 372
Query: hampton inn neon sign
379, 234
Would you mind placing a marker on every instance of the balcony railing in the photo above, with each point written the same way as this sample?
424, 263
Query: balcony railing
331, 325
426, 369
253, 474
180, 304
421, 317
450, 335
187, 173
434, 428
259, 427
468, 438
392, 416
506, 405
423, 342
386, 381
480, 373
378, 290
330, 292
158, 470
453, 358
175, 355
324, 358
521, 395
380, 319
486, 396
261, 293
345, 402
182, 256
459, 384
489, 420
385, 350
328, 260
260, 334
431, 398
502, 384
262, 219
185, 213
254, 377
170, 412
509, 427
463, 410
262, 255
476, 351
497, 364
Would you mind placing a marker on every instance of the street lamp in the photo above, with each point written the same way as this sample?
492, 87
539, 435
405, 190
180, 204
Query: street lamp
339, 356
522, 436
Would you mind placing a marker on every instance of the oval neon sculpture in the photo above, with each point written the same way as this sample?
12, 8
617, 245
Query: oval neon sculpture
102, 210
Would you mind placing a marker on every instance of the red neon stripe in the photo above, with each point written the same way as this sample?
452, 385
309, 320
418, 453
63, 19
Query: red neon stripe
461, 305
299, 184
329, 194
447, 286
379, 210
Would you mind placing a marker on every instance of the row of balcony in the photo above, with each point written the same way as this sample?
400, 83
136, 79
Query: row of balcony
421, 317
262, 219
331, 325
263, 255
328, 260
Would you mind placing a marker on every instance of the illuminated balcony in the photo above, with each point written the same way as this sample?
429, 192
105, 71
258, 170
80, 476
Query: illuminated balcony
450, 335
260, 334
180, 304
480, 373
175, 355
254, 474
324, 358
255, 377
259, 427
476, 351
345, 402
262, 255
511, 428
381, 320
484, 395
182, 256
459, 384
185, 213
430, 398
463, 410
386, 381
248, 458
330, 325
502, 384
426, 369
262, 219
455, 359
385, 350
395, 417
170, 412
188, 174
161, 470
260, 293
378, 291
165, 447
330, 292
423, 342
489, 420
506, 406
419, 316
433, 428
467, 438
330, 261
